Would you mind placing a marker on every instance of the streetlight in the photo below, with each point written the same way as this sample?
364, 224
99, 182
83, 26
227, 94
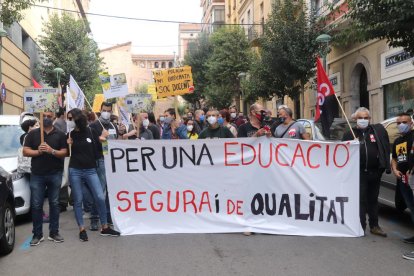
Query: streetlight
324, 40
3, 33
59, 71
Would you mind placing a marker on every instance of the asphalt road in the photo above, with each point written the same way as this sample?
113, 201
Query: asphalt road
212, 254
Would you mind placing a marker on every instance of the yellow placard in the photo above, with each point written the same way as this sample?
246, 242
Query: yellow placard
152, 91
97, 101
173, 81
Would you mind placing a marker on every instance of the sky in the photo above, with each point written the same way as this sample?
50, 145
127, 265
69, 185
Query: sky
146, 37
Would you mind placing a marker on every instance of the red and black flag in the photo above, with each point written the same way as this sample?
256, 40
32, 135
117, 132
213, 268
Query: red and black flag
326, 102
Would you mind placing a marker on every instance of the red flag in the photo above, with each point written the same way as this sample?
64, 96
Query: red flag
325, 102
36, 84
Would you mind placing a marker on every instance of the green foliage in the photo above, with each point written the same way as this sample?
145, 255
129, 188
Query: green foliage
11, 10
66, 44
197, 56
385, 19
287, 55
231, 56
142, 88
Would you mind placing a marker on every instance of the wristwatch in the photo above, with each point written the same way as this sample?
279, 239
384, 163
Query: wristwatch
53, 152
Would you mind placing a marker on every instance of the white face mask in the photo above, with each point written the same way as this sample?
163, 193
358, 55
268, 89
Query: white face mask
162, 119
362, 123
71, 125
233, 115
212, 120
145, 123
106, 115
190, 128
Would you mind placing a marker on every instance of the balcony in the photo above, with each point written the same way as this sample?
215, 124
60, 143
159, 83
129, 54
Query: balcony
254, 32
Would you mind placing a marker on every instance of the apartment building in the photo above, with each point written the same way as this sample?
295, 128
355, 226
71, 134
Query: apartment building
213, 14
187, 33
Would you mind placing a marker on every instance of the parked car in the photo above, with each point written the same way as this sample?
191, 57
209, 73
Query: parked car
314, 130
7, 213
10, 132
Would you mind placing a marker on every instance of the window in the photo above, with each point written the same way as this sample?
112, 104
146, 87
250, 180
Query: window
156, 64
163, 64
170, 65
399, 96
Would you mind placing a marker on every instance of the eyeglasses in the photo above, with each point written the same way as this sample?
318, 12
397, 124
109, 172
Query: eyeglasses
365, 118
403, 122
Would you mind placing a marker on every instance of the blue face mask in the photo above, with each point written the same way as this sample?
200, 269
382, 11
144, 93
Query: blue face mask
404, 128
220, 121
202, 118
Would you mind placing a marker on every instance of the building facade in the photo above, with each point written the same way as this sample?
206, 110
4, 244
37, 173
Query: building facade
187, 33
21, 53
213, 14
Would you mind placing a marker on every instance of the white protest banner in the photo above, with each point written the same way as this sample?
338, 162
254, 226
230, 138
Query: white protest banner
41, 99
264, 185
114, 86
75, 97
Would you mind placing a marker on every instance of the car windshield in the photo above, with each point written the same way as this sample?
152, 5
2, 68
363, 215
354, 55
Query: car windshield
9, 140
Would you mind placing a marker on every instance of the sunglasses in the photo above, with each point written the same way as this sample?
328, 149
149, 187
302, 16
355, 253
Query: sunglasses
403, 122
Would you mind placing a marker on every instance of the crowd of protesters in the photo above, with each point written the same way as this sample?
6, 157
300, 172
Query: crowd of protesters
84, 138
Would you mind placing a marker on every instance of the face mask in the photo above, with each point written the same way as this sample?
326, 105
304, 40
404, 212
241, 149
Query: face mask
47, 122
220, 120
233, 115
162, 119
404, 128
282, 119
190, 118
202, 118
168, 120
105, 115
212, 120
259, 117
145, 123
71, 125
190, 128
362, 123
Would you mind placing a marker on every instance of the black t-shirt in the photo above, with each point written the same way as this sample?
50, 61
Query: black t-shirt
246, 130
155, 131
113, 134
402, 152
215, 133
46, 163
83, 150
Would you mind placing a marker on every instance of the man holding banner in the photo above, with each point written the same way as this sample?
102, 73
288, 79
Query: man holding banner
47, 169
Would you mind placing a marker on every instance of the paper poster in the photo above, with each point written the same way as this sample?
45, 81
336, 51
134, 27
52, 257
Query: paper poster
136, 103
114, 86
38, 100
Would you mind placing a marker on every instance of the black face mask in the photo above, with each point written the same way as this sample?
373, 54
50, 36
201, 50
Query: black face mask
47, 122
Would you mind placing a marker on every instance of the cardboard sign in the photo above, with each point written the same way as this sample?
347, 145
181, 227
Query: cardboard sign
173, 82
38, 100
97, 101
114, 86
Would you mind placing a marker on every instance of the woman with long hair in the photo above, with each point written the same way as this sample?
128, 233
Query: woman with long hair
82, 171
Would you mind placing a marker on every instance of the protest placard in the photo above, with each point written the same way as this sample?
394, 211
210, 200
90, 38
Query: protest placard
136, 103
97, 102
173, 81
114, 86
152, 91
264, 185
38, 100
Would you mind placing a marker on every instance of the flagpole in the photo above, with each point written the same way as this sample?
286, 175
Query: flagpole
346, 117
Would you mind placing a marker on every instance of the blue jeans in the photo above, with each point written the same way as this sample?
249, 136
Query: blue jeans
38, 184
408, 196
89, 177
100, 168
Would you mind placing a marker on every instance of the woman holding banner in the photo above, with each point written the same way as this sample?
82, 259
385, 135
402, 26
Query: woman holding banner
82, 171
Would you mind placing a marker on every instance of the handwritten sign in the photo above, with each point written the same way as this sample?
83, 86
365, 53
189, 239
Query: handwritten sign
173, 82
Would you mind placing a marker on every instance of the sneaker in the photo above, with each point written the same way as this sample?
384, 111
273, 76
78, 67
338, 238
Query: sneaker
94, 225
36, 240
56, 238
409, 255
109, 232
409, 240
376, 230
83, 236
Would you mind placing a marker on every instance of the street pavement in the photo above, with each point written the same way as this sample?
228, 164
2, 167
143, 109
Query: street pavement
212, 254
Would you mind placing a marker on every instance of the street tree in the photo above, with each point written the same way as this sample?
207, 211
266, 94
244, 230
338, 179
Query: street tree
231, 55
287, 53
67, 45
11, 10
197, 55
385, 19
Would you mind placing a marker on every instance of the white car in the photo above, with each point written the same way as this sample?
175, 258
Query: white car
10, 132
